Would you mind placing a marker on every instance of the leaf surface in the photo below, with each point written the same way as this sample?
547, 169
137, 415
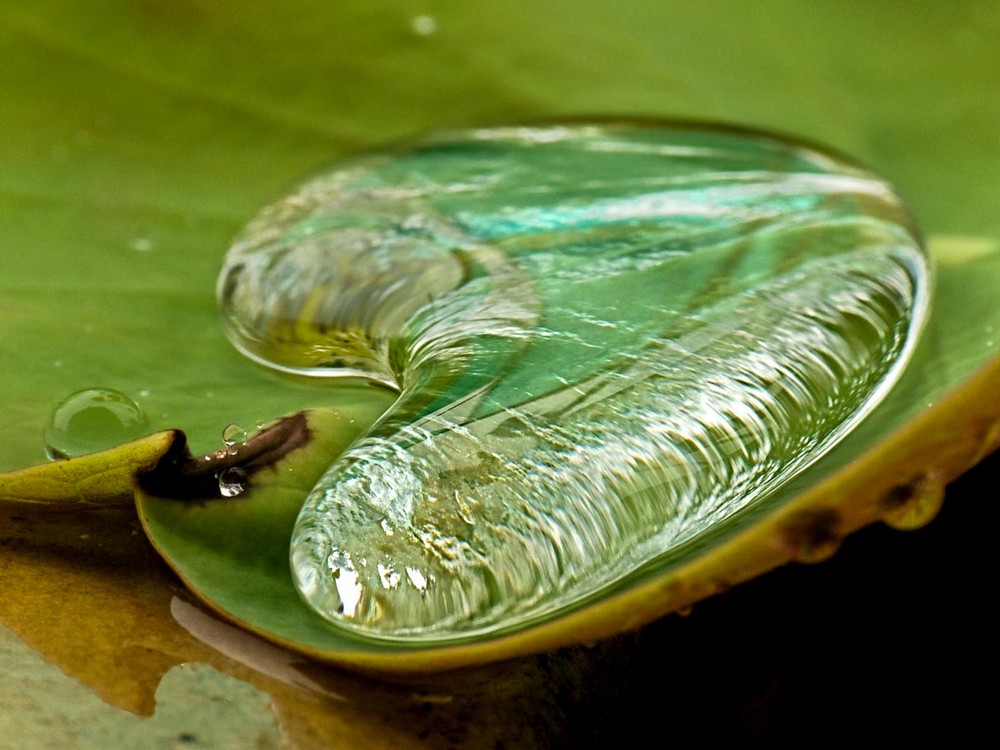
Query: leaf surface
136, 138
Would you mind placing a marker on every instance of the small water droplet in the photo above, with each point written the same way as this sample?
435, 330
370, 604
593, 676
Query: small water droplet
92, 420
142, 244
911, 506
233, 434
813, 536
817, 551
232, 481
424, 25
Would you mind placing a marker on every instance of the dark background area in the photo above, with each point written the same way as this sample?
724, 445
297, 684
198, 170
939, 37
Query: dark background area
893, 638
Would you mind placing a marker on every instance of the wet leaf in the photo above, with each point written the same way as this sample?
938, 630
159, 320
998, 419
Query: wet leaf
234, 553
135, 139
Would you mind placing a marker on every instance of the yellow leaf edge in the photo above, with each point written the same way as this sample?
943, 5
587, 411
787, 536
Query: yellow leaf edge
96, 480
900, 481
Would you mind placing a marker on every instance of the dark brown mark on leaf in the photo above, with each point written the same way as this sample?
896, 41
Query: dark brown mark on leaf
182, 476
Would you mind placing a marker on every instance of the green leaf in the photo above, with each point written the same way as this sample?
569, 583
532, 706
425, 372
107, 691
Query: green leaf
96, 479
234, 553
136, 138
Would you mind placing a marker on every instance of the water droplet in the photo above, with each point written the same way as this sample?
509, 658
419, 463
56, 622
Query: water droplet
813, 536
232, 481
233, 434
913, 505
142, 244
608, 340
92, 420
817, 550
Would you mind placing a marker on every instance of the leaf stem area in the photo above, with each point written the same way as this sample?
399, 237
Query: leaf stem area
183, 476
161, 464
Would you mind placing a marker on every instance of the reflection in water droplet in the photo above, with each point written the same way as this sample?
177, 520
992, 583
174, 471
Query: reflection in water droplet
233, 434
232, 481
92, 420
608, 340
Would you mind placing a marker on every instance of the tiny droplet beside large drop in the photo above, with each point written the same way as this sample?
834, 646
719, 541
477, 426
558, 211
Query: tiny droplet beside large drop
92, 420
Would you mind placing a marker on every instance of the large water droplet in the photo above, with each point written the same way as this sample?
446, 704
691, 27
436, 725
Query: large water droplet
93, 420
608, 341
